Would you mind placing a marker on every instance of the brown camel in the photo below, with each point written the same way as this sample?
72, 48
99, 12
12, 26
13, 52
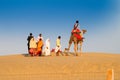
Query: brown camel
76, 42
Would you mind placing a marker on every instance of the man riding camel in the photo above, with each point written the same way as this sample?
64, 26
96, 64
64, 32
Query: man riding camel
75, 36
76, 31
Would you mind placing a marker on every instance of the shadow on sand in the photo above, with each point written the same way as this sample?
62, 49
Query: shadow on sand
52, 54
26, 55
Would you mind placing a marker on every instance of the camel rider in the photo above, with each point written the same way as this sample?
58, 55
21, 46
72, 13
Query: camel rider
76, 37
76, 31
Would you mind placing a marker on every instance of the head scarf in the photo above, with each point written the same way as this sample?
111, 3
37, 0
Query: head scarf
47, 43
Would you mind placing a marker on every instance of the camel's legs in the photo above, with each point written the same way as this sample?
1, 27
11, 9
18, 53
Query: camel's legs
81, 48
69, 46
70, 41
75, 49
75, 46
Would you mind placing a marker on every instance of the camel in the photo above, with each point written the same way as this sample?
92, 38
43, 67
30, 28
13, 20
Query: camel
76, 42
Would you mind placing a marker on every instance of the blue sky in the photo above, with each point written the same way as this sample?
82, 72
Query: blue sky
56, 17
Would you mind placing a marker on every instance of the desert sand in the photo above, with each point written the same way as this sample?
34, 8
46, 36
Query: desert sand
89, 66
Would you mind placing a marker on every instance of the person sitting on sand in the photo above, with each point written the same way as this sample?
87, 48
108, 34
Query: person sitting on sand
39, 47
33, 47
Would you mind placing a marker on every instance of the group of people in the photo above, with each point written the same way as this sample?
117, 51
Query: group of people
35, 47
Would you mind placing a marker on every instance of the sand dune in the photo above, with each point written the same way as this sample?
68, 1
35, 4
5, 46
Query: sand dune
89, 66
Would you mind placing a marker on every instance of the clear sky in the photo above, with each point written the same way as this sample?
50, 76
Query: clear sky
101, 18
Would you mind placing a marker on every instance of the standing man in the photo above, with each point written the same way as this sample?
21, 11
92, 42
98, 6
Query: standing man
58, 46
28, 39
39, 37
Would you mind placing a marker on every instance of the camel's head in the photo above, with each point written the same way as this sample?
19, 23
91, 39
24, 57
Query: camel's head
84, 31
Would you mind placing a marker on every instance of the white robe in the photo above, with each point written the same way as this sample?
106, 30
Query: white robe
47, 48
57, 48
